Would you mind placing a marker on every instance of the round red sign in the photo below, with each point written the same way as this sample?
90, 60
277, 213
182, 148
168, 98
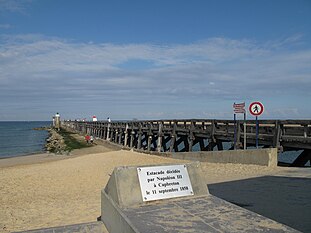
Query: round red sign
256, 108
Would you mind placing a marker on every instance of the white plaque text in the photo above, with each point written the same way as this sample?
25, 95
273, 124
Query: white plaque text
163, 182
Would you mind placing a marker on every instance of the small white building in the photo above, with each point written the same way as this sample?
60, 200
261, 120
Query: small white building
56, 121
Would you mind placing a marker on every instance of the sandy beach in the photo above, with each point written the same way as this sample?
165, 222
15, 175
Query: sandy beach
43, 190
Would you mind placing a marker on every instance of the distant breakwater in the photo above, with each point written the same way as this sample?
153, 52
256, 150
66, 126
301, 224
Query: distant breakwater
55, 142
61, 142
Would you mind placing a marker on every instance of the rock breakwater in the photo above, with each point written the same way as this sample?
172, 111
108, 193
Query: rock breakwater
55, 143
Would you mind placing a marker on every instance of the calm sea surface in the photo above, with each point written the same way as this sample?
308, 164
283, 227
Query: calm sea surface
19, 138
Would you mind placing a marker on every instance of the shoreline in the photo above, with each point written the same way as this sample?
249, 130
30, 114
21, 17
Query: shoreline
28, 159
21, 155
46, 156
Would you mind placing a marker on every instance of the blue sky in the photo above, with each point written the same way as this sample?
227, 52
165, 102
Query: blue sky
158, 59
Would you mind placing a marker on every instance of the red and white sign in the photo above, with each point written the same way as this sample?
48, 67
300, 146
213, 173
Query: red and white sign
256, 108
239, 108
94, 118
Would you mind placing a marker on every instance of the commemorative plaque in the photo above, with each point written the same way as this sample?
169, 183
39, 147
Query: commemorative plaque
163, 182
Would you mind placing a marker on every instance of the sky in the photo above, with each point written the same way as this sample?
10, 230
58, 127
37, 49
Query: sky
154, 59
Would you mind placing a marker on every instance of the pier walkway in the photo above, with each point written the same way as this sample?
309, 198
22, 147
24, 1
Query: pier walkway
202, 135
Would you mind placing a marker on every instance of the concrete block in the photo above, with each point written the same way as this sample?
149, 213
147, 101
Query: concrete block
264, 157
123, 191
124, 181
123, 209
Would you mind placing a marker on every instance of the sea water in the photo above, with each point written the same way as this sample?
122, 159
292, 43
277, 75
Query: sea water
19, 138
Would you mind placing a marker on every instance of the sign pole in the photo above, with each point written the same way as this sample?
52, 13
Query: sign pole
257, 132
239, 108
245, 130
234, 118
256, 109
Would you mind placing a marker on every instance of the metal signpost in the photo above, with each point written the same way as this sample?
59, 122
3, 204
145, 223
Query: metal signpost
239, 108
256, 109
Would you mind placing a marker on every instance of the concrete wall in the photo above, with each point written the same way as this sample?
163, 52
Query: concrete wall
265, 157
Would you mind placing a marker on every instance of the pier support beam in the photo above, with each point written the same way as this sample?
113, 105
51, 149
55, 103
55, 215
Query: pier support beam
132, 138
238, 143
108, 133
126, 134
172, 143
219, 145
139, 140
191, 137
116, 136
120, 137
149, 142
159, 144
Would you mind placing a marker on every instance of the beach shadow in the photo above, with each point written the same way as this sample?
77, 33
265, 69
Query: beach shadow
284, 199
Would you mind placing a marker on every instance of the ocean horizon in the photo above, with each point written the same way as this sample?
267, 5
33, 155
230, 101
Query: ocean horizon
18, 138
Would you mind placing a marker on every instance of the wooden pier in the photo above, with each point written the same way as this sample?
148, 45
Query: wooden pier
202, 134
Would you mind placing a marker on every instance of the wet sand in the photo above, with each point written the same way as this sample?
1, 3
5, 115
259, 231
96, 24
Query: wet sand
41, 191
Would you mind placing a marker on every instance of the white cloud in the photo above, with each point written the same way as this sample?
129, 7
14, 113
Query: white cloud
35, 67
14, 5
5, 26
